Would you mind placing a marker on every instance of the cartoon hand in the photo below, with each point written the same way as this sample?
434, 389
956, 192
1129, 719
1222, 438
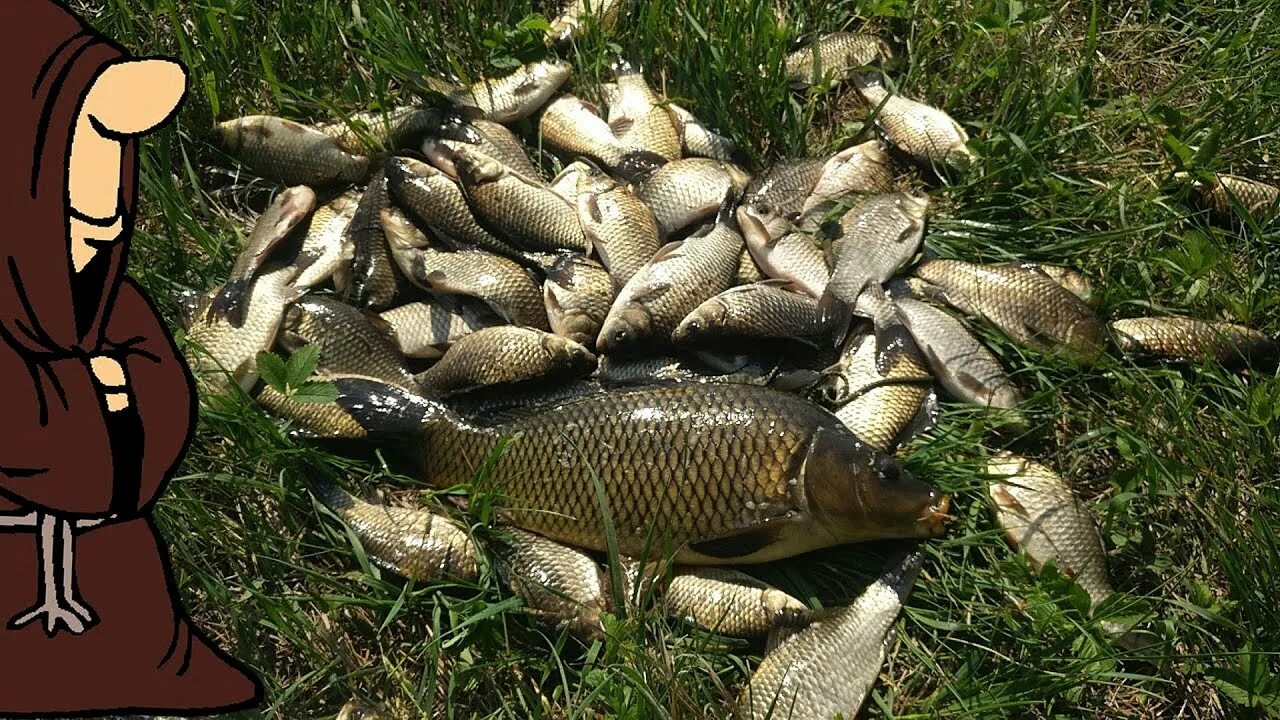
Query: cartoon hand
128, 99
110, 374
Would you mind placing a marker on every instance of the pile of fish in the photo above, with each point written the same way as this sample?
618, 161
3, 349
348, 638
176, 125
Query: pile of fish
714, 363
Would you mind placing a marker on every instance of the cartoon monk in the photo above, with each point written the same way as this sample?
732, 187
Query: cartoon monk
96, 408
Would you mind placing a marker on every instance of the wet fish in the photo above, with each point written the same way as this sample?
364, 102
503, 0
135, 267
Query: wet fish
563, 586
567, 181
578, 293
1076, 282
755, 313
679, 278
369, 133
573, 126
1026, 305
859, 170
793, 256
500, 283
374, 284
835, 56
504, 355
1042, 517
828, 668
288, 152
1188, 339
619, 226
514, 96
436, 201
964, 366
219, 352
426, 329
287, 211
638, 116
748, 271
924, 132
487, 137
733, 473
687, 192
309, 419
413, 543
349, 341
880, 234
1257, 198
704, 367
881, 407
568, 24
326, 252
782, 189
699, 140
530, 215
729, 602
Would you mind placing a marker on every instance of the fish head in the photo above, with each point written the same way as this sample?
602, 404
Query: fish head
401, 233
553, 73
232, 134
915, 207
475, 168
625, 327
704, 323
567, 354
860, 494
760, 224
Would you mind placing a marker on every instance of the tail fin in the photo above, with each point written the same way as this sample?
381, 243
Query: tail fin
900, 572
727, 214
638, 166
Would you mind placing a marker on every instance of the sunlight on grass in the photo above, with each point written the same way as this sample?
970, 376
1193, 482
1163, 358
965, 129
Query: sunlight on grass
1080, 115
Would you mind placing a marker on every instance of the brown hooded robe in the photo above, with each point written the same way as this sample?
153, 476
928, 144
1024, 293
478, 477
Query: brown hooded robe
60, 450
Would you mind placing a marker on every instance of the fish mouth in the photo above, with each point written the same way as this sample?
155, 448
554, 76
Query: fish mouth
935, 518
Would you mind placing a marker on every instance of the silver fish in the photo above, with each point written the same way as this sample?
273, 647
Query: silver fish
681, 276
514, 96
926, 133
699, 140
964, 366
828, 668
426, 329
859, 170
687, 192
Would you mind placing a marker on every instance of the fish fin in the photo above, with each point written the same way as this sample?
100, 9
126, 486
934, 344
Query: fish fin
744, 543
229, 302
648, 291
667, 251
787, 625
637, 166
621, 125
379, 323
836, 313
925, 419
892, 341
1007, 501
900, 572
726, 215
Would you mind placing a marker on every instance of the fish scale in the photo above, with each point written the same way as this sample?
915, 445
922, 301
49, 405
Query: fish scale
531, 215
435, 200
685, 192
835, 55
1182, 338
693, 464
678, 279
289, 152
1026, 305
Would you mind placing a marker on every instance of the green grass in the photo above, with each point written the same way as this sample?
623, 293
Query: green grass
1081, 114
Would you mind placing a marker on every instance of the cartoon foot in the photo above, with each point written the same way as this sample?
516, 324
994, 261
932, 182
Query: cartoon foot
76, 620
